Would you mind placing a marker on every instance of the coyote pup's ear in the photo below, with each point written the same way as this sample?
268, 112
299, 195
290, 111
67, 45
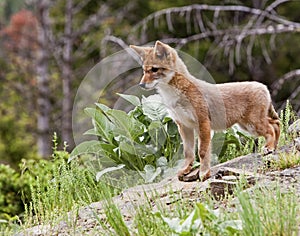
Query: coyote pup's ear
161, 50
139, 50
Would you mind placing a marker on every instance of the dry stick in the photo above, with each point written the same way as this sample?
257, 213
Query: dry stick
279, 83
202, 7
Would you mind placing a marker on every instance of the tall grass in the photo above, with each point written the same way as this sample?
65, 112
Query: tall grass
287, 116
65, 188
269, 212
261, 211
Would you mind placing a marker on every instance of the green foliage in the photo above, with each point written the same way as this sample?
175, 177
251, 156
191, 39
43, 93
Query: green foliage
14, 143
10, 193
113, 215
287, 117
232, 143
259, 212
144, 140
283, 161
269, 212
57, 186
202, 220
45, 189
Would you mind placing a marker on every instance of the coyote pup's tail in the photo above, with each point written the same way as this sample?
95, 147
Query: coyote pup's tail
272, 113
274, 121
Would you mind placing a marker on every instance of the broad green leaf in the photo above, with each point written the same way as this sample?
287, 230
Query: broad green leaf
232, 226
162, 162
150, 158
92, 147
167, 119
173, 223
183, 227
102, 124
218, 143
126, 125
153, 107
157, 133
134, 100
135, 148
191, 223
150, 173
102, 107
92, 132
204, 213
109, 169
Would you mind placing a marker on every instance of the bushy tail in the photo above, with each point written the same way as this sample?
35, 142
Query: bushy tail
272, 113
274, 121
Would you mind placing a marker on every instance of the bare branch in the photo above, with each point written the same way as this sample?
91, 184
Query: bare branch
116, 40
234, 8
92, 21
265, 51
235, 33
292, 97
200, 21
169, 22
188, 22
77, 8
249, 51
286, 77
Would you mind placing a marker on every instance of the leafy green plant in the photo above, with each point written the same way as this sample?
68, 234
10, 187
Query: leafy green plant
231, 143
145, 139
202, 220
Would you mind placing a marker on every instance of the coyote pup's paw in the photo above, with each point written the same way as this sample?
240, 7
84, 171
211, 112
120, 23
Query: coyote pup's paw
267, 151
204, 175
184, 171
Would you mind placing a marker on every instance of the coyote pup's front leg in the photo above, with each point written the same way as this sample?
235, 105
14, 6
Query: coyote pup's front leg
204, 149
187, 136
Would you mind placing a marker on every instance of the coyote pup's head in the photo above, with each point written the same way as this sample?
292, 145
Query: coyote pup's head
159, 64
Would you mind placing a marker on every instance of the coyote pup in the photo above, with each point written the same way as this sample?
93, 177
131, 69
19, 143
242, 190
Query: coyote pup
196, 105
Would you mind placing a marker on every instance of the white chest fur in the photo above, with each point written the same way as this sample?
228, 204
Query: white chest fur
178, 106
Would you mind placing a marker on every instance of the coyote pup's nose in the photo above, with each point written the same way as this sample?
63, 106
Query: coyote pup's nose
143, 85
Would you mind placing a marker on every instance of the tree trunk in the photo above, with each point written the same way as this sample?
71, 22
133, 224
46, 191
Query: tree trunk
44, 105
67, 77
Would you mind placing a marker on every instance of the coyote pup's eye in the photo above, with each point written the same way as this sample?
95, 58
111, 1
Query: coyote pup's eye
154, 69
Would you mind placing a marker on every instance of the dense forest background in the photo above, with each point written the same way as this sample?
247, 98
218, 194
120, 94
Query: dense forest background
47, 48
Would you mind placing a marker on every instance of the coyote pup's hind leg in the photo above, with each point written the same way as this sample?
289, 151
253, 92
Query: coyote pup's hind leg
276, 125
273, 120
187, 136
270, 137
264, 128
263, 121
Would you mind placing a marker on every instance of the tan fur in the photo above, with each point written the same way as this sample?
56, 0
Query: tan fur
197, 106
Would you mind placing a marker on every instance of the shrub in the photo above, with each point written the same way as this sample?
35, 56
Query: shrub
15, 144
144, 140
11, 187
